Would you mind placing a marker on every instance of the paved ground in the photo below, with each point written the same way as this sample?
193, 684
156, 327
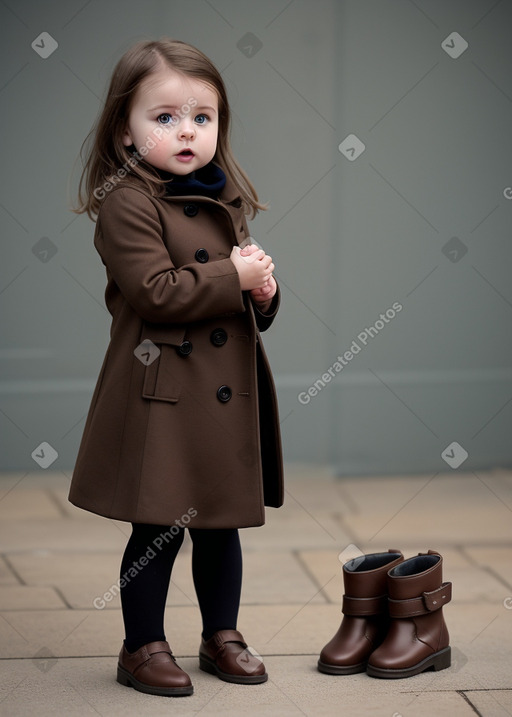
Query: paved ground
58, 651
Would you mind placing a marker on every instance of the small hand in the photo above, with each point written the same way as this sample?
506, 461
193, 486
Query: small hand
254, 267
267, 292
250, 249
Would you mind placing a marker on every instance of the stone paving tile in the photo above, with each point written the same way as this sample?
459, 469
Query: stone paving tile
428, 491
26, 597
369, 494
81, 687
497, 560
325, 569
84, 577
103, 593
34, 479
99, 534
268, 579
277, 577
26, 505
292, 528
474, 585
84, 595
47, 567
315, 494
497, 703
63, 632
7, 577
435, 527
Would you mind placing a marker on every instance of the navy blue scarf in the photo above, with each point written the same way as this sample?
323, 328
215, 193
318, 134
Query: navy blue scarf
208, 181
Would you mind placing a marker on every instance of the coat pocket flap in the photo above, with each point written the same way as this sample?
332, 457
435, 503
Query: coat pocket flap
163, 334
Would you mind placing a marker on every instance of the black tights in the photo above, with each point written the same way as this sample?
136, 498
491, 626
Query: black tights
146, 572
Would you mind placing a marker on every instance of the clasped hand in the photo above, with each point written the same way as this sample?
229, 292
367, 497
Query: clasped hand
255, 269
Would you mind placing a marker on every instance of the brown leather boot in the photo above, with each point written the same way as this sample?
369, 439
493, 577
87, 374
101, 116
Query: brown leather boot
417, 638
153, 669
365, 615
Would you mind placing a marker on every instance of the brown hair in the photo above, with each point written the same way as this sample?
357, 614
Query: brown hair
105, 157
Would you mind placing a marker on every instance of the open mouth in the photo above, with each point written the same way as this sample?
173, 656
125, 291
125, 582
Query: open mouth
186, 154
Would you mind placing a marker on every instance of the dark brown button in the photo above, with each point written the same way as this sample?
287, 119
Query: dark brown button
218, 337
202, 256
190, 210
185, 348
224, 393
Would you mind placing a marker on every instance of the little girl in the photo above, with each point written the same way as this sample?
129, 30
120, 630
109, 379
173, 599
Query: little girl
183, 428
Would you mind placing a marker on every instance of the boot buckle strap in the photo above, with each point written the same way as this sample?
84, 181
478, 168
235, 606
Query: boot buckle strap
427, 602
358, 607
437, 598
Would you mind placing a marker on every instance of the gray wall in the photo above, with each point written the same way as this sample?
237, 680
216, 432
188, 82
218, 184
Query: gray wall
421, 218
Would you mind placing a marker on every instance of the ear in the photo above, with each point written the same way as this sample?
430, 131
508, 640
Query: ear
127, 138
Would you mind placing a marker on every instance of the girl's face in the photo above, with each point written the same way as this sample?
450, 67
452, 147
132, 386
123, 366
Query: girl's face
173, 122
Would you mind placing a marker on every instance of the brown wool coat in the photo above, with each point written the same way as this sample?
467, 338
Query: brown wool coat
161, 441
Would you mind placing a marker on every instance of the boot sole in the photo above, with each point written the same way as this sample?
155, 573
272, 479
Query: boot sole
438, 661
340, 669
208, 665
128, 680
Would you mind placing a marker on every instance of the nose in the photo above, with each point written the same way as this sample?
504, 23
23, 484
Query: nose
186, 129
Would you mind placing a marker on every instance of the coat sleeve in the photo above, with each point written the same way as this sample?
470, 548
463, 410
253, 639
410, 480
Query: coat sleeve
129, 241
265, 319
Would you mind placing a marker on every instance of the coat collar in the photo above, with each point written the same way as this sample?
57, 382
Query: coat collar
229, 195
208, 181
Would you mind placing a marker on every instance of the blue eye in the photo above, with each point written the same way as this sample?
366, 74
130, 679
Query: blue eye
201, 119
165, 118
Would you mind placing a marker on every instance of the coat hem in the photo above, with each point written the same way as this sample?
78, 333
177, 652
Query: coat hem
111, 515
